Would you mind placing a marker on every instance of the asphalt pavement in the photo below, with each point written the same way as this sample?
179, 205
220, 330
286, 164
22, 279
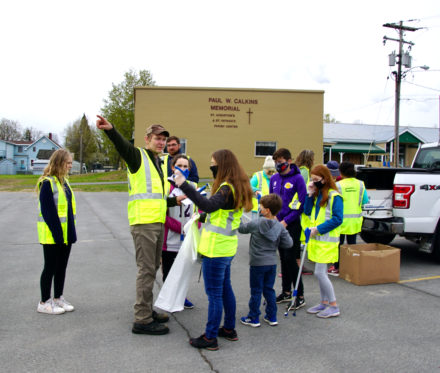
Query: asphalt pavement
382, 328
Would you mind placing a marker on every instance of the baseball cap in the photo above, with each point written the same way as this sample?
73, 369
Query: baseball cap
333, 166
156, 129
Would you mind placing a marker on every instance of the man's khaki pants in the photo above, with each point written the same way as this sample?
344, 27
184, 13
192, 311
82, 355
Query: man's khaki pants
148, 241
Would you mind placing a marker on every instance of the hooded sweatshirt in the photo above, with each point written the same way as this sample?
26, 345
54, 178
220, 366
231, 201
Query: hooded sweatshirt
266, 236
286, 186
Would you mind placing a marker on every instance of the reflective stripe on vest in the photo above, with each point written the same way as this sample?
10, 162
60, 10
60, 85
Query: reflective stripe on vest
323, 248
219, 235
147, 193
228, 231
352, 191
44, 234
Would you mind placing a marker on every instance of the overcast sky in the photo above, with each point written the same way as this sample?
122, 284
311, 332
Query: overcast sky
59, 58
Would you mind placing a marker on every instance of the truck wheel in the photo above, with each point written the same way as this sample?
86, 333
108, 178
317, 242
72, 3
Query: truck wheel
384, 238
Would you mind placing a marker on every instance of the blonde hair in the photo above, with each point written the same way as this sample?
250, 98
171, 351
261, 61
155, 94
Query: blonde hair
56, 166
305, 158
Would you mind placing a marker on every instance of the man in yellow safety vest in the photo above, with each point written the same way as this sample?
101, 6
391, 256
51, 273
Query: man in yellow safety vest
148, 189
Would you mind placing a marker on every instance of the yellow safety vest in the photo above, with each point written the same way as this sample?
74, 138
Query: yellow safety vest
147, 195
308, 174
324, 248
262, 186
44, 234
295, 204
219, 234
352, 191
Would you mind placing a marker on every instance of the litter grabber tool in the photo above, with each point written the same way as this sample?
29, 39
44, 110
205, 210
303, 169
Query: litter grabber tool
292, 304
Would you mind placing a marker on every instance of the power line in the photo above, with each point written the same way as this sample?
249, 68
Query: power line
421, 86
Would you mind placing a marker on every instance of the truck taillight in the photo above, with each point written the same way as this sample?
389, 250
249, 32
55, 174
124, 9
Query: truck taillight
402, 195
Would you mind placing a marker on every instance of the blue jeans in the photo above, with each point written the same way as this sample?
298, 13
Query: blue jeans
217, 278
262, 280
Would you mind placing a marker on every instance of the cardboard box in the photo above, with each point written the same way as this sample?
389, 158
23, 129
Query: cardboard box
368, 264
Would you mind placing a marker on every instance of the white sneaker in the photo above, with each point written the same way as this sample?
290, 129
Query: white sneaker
64, 304
50, 307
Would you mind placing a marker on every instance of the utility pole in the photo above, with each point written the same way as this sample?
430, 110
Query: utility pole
398, 76
83, 122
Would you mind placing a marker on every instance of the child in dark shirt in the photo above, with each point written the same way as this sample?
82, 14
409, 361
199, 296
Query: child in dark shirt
267, 234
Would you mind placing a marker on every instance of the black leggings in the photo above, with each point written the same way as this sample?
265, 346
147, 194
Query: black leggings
55, 264
167, 262
289, 266
351, 240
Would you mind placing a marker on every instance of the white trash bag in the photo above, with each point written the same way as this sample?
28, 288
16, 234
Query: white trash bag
173, 292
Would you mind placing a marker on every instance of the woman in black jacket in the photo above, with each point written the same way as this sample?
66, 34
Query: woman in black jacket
56, 230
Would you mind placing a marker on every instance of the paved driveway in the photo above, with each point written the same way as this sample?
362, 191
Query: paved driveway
382, 328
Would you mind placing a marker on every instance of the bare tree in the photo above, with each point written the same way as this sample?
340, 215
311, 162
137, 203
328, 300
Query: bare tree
10, 130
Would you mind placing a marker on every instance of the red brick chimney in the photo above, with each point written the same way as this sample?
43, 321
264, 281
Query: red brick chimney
50, 135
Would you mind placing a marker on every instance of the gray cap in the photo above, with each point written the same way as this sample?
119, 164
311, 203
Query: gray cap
156, 129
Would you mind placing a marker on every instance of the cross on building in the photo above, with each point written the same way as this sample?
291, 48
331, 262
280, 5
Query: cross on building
249, 113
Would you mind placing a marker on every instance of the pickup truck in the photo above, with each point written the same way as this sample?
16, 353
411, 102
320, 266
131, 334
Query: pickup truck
405, 201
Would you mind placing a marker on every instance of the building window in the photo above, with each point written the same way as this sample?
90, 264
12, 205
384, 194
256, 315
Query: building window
20, 149
264, 148
34, 149
182, 147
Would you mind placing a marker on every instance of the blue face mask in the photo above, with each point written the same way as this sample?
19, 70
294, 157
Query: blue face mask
184, 172
281, 167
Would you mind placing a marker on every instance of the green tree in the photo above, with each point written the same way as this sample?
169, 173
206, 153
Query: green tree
10, 130
119, 109
89, 140
31, 134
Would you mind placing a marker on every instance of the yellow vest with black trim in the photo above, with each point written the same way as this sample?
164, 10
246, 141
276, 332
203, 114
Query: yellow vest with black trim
147, 195
352, 191
219, 234
324, 248
262, 186
45, 236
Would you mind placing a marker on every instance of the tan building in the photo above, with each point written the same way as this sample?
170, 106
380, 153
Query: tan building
253, 123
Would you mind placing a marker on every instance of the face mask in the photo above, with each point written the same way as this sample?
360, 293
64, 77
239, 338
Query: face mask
319, 184
281, 167
214, 170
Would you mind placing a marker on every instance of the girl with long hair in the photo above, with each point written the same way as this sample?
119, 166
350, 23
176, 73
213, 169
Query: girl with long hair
304, 161
56, 230
231, 194
324, 209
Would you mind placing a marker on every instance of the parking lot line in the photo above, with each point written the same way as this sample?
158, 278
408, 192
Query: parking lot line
419, 279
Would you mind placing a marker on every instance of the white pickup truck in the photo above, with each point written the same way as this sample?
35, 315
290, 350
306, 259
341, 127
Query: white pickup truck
405, 201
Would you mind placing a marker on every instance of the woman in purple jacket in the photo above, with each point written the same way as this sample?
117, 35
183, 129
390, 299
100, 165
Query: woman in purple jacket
290, 186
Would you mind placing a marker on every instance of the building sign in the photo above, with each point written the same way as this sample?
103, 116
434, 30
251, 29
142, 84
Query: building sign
230, 112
